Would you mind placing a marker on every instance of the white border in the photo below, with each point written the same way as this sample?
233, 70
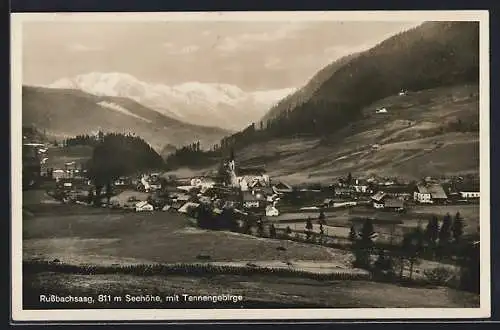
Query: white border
18, 314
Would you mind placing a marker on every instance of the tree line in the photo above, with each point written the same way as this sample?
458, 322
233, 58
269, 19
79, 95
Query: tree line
434, 241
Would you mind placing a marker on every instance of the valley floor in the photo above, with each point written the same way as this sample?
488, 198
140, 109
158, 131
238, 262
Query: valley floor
78, 235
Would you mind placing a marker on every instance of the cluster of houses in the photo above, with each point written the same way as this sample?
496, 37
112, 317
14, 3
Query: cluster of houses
391, 195
396, 197
251, 190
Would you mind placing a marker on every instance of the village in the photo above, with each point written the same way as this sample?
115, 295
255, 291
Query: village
256, 201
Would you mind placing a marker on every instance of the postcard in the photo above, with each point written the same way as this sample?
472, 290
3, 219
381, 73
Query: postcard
250, 166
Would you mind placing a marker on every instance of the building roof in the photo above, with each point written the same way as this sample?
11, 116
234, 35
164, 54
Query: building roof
379, 196
249, 197
393, 202
256, 184
436, 191
396, 189
266, 190
421, 188
281, 186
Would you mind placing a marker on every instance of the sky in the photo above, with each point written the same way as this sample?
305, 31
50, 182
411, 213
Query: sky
251, 55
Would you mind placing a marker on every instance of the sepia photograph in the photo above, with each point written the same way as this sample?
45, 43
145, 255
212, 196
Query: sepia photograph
257, 165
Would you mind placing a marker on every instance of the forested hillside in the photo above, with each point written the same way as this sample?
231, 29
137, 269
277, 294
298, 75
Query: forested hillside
434, 54
115, 155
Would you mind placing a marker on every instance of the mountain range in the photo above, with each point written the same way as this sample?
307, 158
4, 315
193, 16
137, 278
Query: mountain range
211, 104
327, 127
67, 112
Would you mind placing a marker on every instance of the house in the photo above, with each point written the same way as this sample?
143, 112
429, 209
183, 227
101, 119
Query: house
272, 211
469, 194
251, 201
397, 191
394, 204
360, 187
143, 206
378, 200
382, 200
203, 183
466, 190
422, 195
252, 177
122, 181
437, 192
345, 192
282, 188
430, 193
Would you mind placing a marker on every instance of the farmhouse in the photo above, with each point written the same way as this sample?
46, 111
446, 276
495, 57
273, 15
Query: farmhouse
344, 192
394, 204
203, 183
468, 191
249, 178
251, 201
378, 200
282, 188
429, 193
437, 193
422, 194
122, 181
360, 187
381, 200
397, 191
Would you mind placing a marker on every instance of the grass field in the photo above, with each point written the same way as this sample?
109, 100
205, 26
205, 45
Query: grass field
163, 237
80, 235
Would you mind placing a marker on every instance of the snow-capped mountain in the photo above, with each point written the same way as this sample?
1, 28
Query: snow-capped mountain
208, 104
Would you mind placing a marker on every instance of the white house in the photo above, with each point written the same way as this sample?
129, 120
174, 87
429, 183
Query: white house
202, 183
143, 206
422, 195
469, 194
272, 211
378, 200
468, 190
360, 186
